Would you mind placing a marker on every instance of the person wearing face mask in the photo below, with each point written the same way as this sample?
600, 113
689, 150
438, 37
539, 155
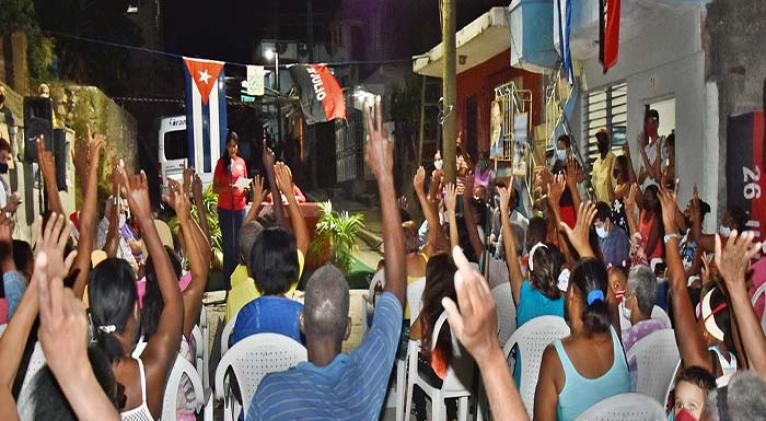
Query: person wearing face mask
10, 122
640, 299
650, 143
614, 241
563, 145
602, 167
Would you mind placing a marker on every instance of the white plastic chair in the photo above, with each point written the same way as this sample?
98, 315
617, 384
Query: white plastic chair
181, 367
761, 291
36, 362
415, 298
205, 328
457, 381
226, 334
625, 407
200, 350
532, 338
251, 359
2, 328
659, 313
506, 311
656, 356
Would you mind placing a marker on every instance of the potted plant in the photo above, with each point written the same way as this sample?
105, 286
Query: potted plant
335, 239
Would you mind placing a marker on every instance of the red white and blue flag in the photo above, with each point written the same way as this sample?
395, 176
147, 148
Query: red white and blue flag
206, 124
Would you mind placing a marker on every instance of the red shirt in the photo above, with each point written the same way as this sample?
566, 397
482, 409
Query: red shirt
230, 198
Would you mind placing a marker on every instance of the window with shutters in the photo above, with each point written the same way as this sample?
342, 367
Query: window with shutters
605, 108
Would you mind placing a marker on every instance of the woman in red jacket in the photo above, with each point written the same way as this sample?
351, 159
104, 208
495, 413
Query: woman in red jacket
231, 199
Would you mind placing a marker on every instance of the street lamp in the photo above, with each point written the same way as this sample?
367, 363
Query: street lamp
272, 54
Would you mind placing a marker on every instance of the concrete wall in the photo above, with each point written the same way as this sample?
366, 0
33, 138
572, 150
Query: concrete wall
735, 31
666, 60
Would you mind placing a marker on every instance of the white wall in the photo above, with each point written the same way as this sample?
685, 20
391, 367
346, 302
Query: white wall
667, 60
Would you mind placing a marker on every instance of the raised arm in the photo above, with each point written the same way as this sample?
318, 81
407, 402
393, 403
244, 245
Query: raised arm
258, 195
733, 262
285, 185
49, 249
379, 155
88, 215
268, 161
556, 189
579, 236
112, 238
509, 244
196, 248
630, 209
47, 165
450, 202
631, 171
690, 340
436, 240
573, 174
63, 335
160, 352
470, 218
475, 325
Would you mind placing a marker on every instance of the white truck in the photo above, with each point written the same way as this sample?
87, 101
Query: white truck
173, 151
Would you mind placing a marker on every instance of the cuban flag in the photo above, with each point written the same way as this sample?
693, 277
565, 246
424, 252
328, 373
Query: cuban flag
206, 124
563, 21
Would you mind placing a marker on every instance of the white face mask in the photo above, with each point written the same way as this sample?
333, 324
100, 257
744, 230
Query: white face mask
438, 164
561, 154
626, 312
724, 231
601, 231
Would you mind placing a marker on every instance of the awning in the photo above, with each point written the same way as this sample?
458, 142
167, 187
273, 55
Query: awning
479, 41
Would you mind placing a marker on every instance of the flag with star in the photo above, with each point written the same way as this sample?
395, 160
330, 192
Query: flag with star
206, 123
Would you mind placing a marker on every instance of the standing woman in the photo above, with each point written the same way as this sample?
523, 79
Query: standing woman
231, 200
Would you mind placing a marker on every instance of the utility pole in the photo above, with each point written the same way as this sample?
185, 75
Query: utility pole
449, 89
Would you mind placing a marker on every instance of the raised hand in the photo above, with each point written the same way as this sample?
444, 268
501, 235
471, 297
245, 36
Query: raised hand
580, 235
556, 190
475, 323
284, 179
136, 190
630, 199
258, 190
505, 200
379, 153
418, 182
450, 198
178, 199
668, 201
268, 155
196, 187
14, 201
51, 242
733, 260
6, 230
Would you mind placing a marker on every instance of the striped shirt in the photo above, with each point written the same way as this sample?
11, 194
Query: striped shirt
351, 387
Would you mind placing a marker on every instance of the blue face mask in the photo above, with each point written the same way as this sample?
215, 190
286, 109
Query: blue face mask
601, 231
561, 154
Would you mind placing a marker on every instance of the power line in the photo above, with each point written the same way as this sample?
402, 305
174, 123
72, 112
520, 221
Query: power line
179, 56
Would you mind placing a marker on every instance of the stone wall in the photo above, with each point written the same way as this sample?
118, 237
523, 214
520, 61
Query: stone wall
75, 108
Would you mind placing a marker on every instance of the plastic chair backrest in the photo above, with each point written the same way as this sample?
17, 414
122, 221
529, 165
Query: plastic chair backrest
624, 407
181, 367
506, 311
532, 338
415, 298
459, 376
656, 356
253, 358
760, 293
659, 313
378, 278
226, 333
36, 362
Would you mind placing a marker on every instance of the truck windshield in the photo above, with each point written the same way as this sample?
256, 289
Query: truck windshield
175, 145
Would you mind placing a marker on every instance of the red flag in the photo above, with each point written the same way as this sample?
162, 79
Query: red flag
321, 96
204, 73
610, 39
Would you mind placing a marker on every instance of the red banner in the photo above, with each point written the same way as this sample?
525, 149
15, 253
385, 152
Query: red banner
745, 178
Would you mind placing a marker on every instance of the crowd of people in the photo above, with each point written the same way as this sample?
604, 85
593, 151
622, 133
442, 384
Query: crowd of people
112, 299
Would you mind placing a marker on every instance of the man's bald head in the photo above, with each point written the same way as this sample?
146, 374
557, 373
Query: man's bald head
325, 308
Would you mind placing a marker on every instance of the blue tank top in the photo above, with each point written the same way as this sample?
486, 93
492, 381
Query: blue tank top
580, 393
